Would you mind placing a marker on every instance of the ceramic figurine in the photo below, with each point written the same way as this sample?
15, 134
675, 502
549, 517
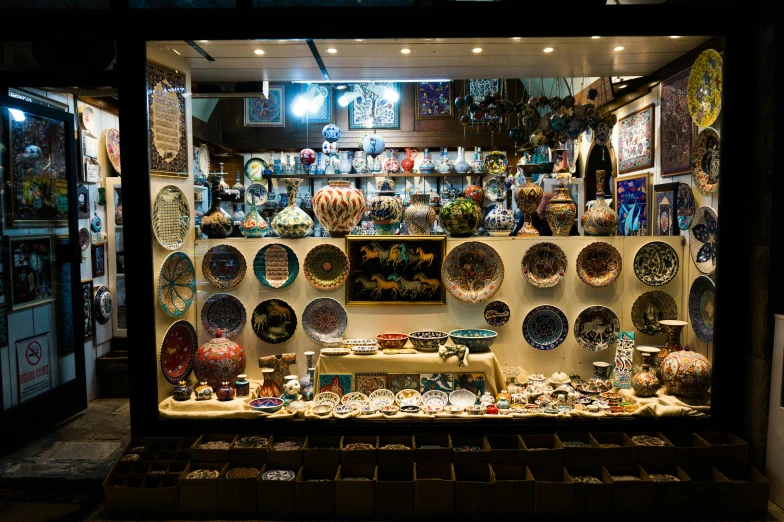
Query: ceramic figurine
203, 391
408, 162
225, 392
528, 196
216, 223
477, 165
385, 208
254, 225
390, 163
345, 163
686, 373
182, 392
486, 399
460, 217
427, 166
419, 217
218, 359
644, 381
242, 385
444, 166
339, 207
561, 212
600, 219
291, 391
331, 132
292, 221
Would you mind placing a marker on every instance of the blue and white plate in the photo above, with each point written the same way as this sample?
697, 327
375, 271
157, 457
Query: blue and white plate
324, 319
545, 327
702, 307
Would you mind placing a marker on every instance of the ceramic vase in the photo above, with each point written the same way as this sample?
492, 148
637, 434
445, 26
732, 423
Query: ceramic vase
672, 343
385, 208
268, 388
306, 381
600, 220
477, 164
500, 220
242, 385
203, 391
182, 392
218, 360
426, 166
561, 212
339, 207
239, 214
320, 163
644, 381
461, 217
239, 188
408, 162
330, 164
390, 163
444, 166
360, 162
461, 167
254, 225
345, 164
292, 221
225, 392
419, 217
528, 196
374, 165
686, 373
288, 165
216, 223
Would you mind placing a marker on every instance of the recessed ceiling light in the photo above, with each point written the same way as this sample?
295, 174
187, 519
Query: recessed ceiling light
177, 52
595, 37
476, 50
619, 48
622, 86
203, 41
674, 36
548, 49
359, 40
332, 50
405, 51
516, 38
260, 52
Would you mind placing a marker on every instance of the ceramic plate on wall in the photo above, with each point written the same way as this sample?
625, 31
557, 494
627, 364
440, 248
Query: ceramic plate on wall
702, 245
596, 328
171, 217
103, 303
650, 308
254, 169
276, 266
274, 321
87, 118
545, 327
85, 239
113, 148
324, 319
492, 189
223, 266
176, 284
177, 350
599, 264
224, 312
497, 313
256, 193
656, 263
472, 272
326, 267
704, 88
544, 265
702, 307
685, 206
204, 159
705, 162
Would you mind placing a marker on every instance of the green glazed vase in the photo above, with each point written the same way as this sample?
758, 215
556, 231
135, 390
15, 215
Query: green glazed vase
292, 221
461, 217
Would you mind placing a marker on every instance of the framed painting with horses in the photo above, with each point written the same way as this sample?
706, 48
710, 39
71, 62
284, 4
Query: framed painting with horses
395, 270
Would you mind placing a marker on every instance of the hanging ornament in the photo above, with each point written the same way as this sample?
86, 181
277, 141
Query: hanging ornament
464, 121
515, 135
307, 156
568, 101
468, 99
592, 94
96, 224
544, 101
555, 102
459, 102
331, 133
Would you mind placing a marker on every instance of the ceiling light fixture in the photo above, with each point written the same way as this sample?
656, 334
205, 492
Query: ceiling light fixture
203, 41
619, 48
260, 52
595, 37
310, 100
622, 86
17, 115
341, 87
177, 52
405, 51
548, 49
674, 36
516, 38
332, 50
476, 50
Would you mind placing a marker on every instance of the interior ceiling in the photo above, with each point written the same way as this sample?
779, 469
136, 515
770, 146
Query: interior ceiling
287, 60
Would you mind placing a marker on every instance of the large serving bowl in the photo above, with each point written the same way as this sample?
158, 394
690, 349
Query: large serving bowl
427, 339
392, 340
476, 339
266, 405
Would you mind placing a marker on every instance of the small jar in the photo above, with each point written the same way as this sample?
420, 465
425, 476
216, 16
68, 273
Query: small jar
203, 391
182, 392
225, 392
242, 386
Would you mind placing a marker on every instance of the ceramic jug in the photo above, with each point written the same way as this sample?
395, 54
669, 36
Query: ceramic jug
408, 162
600, 219
345, 164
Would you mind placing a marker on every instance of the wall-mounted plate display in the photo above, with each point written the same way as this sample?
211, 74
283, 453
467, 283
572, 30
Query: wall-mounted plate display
650, 308
204, 159
223, 266
685, 206
254, 169
704, 231
705, 87
176, 284
276, 266
545, 327
326, 267
223, 312
274, 321
544, 265
113, 149
257, 194
702, 307
596, 328
705, 162
103, 303
656, 263
87, 118
472, 272
171, 217
324, 319
599, 264
177, 352
497, 313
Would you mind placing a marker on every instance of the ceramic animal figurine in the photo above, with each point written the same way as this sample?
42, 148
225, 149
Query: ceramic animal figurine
459, 350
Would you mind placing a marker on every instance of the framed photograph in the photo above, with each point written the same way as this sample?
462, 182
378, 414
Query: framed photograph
434, 101
324, 112
395, 270
371, 110
630, 199
3, 327
92, 171
665, 197
89, 320
635, 140
677, 126
267, 113
30, 259
168, 131
83, 201
99, 259
32, 364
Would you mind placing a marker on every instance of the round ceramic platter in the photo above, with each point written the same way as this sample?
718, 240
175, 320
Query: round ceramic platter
238, 473
599, 264
545, 327
326, 267
204, 160
113, 148
257, 194
103, 303
650, 308
87, 118
274, 321
431, 396
704, 88
382, 397
335, 351
702, 306
327, 398
224, 312
544, 265
705, 162
84, 238
176, 284
324, 319
223, 266
254, 169
278, 474
462, 398
356, 397
492, 189
177, 351
171, 217
685, 206
276, 266
472, 272
408, 398
596, 328
703, 231
656, 263
497, 313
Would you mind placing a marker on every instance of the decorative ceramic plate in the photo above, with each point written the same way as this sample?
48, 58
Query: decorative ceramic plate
279, 474
544, 265
274, 321
326, 267
85, 239
472, 272
493, 191
359, 342
171, 217
204, 159
177, 351
276, 266
599, 264
462, 398
103, 303
705, 162
497, 313
354, 397
203, 474
650, 308
432, 397
87, 118
545, 327
256, 193
382, 397
596, 328
364, 350
113, 148
704, 88
702, 245
702, 306
408, 398
254, 168
327, 398
223, 266
324, 319
685, 206
242, 473
223, 312
176, 284
335, 351
656, 263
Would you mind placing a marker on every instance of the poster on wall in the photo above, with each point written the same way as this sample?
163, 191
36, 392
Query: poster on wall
168, 130
32, 277
266, 113
32, 361
635, 140
631, 201
677, 126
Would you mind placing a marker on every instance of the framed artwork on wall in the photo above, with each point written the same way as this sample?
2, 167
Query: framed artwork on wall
478, 88
89, 320
630, 199
665, 216
30, 259
677, 126
83, 201
395, 270
371, 110
168, 130
434, 101
92, 171
99, 259
324, 112
635, 140
89, 145
266, 113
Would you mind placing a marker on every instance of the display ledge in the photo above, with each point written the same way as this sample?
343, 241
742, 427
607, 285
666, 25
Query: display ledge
488, 239
373, 175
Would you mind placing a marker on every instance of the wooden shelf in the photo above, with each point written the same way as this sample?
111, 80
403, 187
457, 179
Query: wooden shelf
355, 176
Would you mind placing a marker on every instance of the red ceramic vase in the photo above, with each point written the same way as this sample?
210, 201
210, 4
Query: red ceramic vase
218, 360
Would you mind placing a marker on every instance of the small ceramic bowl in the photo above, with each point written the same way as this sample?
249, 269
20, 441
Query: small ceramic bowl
410, 409
367, 409
321, 410
476, 409
343, 409
427, 340
389, 410
392, 340
364, 350
454, 410
332, 343
266, 405
433, 409
476, 339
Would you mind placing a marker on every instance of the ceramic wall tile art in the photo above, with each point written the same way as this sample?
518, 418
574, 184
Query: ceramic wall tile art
31, 259
656, 263
266, 113
176, 284
371, 110
705, 88
473, 382
702, 307
395, 270
622, 369
326, 267
599, 264
436, 381
631, 199
338, 383
98, 257
544, 265
276, 266
635, 140
706, 162
324, 112
403, 381
171, 217
367, 383
223, 312
677, 127
665, 222
596, 328
280, 365
168, 129
89, 320
274, 321
651, 308
703, 233
434, 100
472, 272
685, 206
545, 327
478, 88
178, 350
324, 319
223, 266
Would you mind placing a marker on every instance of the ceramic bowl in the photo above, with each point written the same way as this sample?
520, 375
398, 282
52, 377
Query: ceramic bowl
476, 339
392, 340
266, 405
433, 409
364, 350
336, 342
410, 408
476, 409
367, 409
454, 410
427, 340
343, 409
359, 342
389, 410
321, 410
408, 398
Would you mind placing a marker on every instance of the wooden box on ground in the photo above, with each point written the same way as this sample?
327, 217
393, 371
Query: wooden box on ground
624, 454
277, 498
690, 449
255, 457
506, 449
211, 455
655, 454
464, 448
316, 491
285, 458
432, 447
668, 495
200, 495
543, 449
553, 490
629, 496
575, 454
726, 447
135, 493
395, 491
322, 450
237, 496
710, 492
395, 457
749, 491
359, 456
435, 489
474, 489
514, 490
355, 498
590, 499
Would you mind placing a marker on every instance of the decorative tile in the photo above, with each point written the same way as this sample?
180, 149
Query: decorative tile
339, 383
436, 381
473, 382
403, 381
367, 383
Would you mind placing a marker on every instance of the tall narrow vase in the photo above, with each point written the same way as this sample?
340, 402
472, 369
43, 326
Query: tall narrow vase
477, 164
600, 220
528, 196
561, 212
444, 165
292, 221
461, 167
672, 343
345, 163
426, 166
419, 217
